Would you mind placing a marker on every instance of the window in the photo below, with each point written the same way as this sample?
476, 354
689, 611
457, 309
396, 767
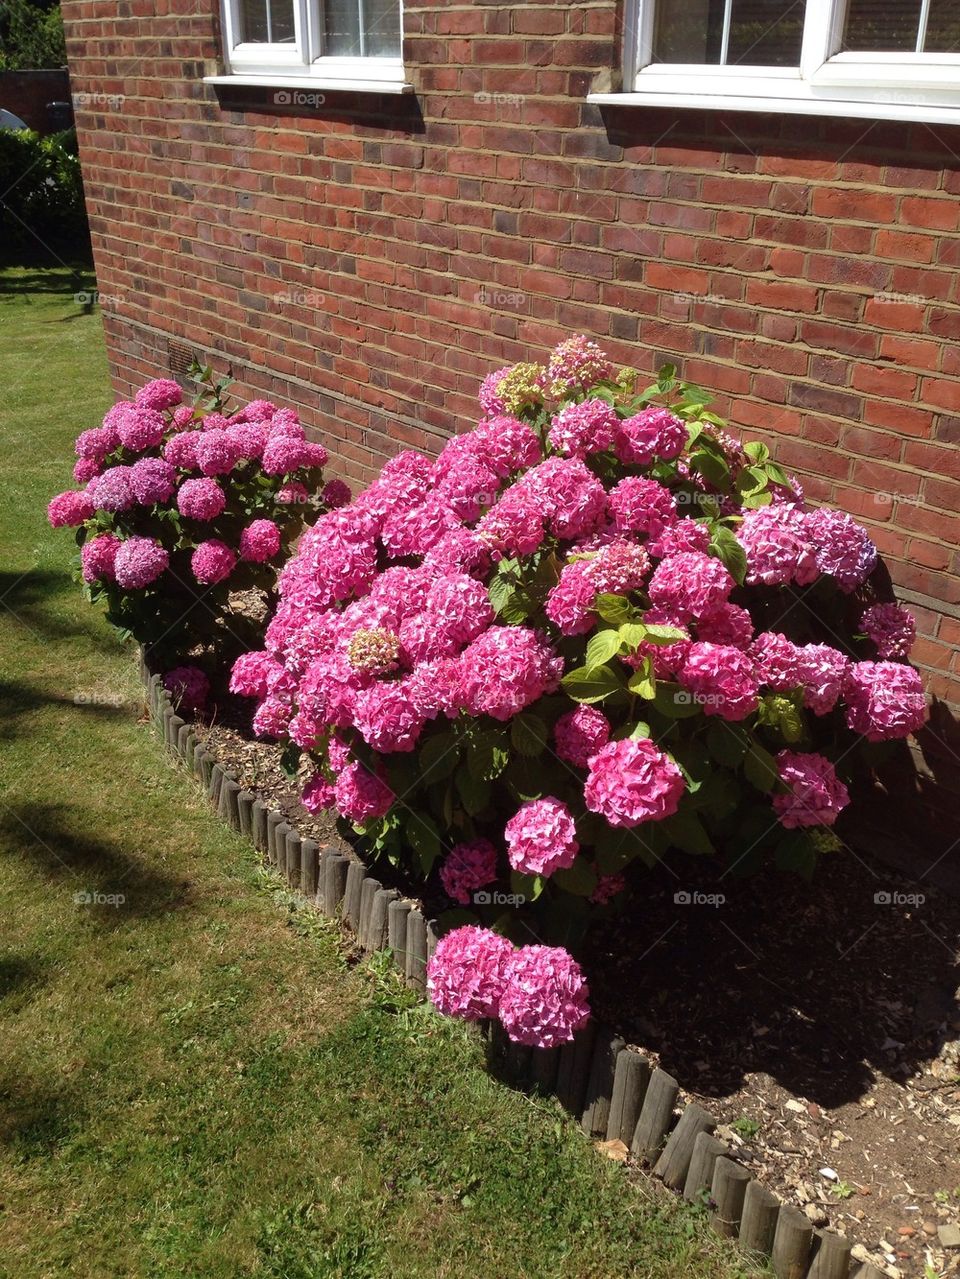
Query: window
886, 59
337, 44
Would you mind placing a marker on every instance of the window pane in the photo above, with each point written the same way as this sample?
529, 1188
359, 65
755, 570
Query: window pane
883, 26
267, 21
342, 21
762, 33
382, 23
766, 33
943, 28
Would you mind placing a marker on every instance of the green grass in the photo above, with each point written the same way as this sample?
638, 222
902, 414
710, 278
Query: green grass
192, 1082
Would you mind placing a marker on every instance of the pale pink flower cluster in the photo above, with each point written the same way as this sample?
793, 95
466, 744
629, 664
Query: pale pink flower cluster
591, 426
651, 434
884, 700
468, 867
138, 562
630, 782
580, 733
786, 544
690, 584
541, 837
892, 628
722, 680
814, 795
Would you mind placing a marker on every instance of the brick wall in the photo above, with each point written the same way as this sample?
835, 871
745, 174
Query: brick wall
27, 94
371, 260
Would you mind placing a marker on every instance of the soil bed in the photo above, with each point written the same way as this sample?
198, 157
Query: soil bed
819, 1022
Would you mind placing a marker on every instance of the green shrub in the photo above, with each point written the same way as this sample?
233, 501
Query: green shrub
41, 198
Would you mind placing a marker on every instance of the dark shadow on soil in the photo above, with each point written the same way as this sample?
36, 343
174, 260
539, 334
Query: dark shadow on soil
107, 882
822, 986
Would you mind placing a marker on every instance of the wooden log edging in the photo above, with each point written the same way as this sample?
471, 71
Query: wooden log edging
616, 1093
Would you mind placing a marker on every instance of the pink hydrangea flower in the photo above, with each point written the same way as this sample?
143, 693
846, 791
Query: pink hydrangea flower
188, 686
843, 549
514, 526
573, 500
726, 624
95, 444
779, 662
201, 499
252, 674
361, 796
318, 794
892, 628
779, 547
138, 562
140, 429
181, 450
690, 584
823, 672
435, 687
577, 364
545, 997
581, 733
160, 394
216, 452
569, 604
815, 794
97, 558
258, 411
684, 535
722, 680
490, 401
608, 886
466, 973
459, 606
618, 567
640, 505
388, 718
650, 434
293, 493
541, 837
335, 493
183, 417
212, 562
152, 480
632, 782
506, 669
884, 700
84, 470
587, 427
70, 509
111, 491
469, 866
505, 445
260, 541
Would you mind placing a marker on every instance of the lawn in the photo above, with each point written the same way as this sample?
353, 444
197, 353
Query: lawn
192, 1080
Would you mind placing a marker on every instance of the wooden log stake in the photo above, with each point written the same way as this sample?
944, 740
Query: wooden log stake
758, 1224
730, 1181
630, 1080
655, 1115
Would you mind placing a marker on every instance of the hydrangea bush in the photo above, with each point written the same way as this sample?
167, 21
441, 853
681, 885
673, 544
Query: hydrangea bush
184, 506
596, 631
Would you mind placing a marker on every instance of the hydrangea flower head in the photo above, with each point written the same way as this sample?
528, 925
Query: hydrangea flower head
187, 685
466, 973
212, 562
69, 509
260, 541
884, 700
468, 867
201, 499
892, 629
541, 837
632, 782
139, 561
815, 795
545, 997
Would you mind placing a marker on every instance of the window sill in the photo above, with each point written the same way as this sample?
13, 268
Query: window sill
813, 104
311, 84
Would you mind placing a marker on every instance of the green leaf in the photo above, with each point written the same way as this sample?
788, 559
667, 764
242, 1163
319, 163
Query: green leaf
711, 466
675, 702
439, 756
796, 852
290, 760
726, 744
474, 792
616, 848
580, 879
500, 592
518, 607
528, 887
639, 730
615, 609
659, 634
760, 768
632, 634
728, 550
424, 839
586, 685
643, 682
601, 647
528, 733
756, 451
686, 831
487, 754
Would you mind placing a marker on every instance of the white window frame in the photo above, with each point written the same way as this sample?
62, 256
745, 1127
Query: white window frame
302, 63
885, 86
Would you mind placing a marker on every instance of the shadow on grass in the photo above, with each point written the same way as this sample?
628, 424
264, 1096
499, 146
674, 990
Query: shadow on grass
19, 699
65, 280
35, 1118
26, 597
107, 882
20, 974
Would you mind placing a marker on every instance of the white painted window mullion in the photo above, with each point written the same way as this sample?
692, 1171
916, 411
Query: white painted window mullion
924, 23
725, 37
